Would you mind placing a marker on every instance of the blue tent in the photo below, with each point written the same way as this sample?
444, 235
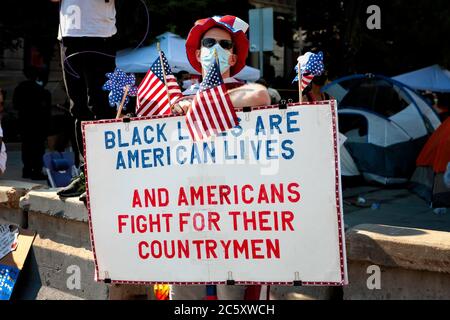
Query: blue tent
386, 125
174, 47
433, 78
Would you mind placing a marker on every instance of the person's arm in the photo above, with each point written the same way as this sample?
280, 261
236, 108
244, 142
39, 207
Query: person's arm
249, 95
182, 106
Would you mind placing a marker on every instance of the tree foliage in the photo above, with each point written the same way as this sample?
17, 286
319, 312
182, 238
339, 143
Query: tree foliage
413, 34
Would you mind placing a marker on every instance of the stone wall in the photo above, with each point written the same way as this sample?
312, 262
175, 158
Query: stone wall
413, 264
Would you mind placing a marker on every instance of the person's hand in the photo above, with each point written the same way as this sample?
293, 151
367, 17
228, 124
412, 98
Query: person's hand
181, 107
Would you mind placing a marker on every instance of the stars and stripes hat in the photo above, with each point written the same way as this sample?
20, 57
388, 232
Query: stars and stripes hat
233, 25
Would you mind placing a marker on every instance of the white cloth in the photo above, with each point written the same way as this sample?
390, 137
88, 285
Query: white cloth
3, 155
87, 18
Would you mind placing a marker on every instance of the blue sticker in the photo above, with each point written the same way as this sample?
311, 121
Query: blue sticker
8, 278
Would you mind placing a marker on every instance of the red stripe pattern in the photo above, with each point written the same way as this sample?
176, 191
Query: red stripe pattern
153, 94
306, 80
212, 111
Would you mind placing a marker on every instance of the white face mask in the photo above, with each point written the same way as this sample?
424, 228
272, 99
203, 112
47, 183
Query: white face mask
207, 57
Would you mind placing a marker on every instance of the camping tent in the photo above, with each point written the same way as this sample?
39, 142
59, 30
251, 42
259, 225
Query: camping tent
433, 78
348, 166
428, 179
386, 125
173, 46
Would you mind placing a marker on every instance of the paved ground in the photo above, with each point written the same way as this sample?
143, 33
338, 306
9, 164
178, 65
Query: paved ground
14, 165
397, 207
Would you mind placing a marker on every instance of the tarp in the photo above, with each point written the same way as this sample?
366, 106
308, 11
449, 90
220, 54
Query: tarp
433, 78
140, 60
436, 152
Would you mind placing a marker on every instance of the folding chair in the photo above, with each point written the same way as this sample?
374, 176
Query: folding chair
60, 168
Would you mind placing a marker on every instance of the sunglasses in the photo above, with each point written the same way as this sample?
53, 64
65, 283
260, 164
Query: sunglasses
210, 42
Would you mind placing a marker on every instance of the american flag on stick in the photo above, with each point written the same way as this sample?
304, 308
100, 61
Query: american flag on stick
212, 111
159, 90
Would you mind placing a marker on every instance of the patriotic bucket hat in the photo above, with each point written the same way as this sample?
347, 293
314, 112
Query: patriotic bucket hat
237, 29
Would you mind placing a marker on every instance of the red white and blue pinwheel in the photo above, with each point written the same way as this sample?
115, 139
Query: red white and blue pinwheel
310, 63
117, 84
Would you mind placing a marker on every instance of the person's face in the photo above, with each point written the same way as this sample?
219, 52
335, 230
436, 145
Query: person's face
219, 34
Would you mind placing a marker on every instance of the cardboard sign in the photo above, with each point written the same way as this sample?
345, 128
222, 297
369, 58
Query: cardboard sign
259, 204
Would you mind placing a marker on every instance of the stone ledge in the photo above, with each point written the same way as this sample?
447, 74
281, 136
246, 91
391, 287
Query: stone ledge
11, 192
47, 202
51, 261
414, 249
64, 231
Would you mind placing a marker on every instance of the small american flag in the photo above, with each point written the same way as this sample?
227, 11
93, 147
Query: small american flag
212, 111
152, 97
306, 80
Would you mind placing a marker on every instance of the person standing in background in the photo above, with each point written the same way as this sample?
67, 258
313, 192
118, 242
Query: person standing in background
33, 102
86, 33
315, 94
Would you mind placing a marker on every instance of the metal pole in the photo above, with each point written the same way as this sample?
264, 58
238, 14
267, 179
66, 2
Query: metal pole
261, 42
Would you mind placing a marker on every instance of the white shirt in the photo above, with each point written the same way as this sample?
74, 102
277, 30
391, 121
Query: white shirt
87, 18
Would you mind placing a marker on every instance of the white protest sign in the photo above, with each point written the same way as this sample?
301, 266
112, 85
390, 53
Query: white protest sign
259, 204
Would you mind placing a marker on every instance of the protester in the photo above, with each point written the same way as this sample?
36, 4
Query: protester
184, 79
3, 155
315, 94
87, 54
226, 36
33, 103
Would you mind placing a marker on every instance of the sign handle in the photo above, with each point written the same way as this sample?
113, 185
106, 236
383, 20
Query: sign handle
158, 46
300, 93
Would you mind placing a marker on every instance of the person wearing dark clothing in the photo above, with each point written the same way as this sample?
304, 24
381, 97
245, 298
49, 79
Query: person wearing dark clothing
33, 103
90, 33
84, 76
87, 53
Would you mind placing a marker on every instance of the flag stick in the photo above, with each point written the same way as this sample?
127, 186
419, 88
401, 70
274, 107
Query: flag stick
300, 93
216, 56
211, 290
119, 111
158, 46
